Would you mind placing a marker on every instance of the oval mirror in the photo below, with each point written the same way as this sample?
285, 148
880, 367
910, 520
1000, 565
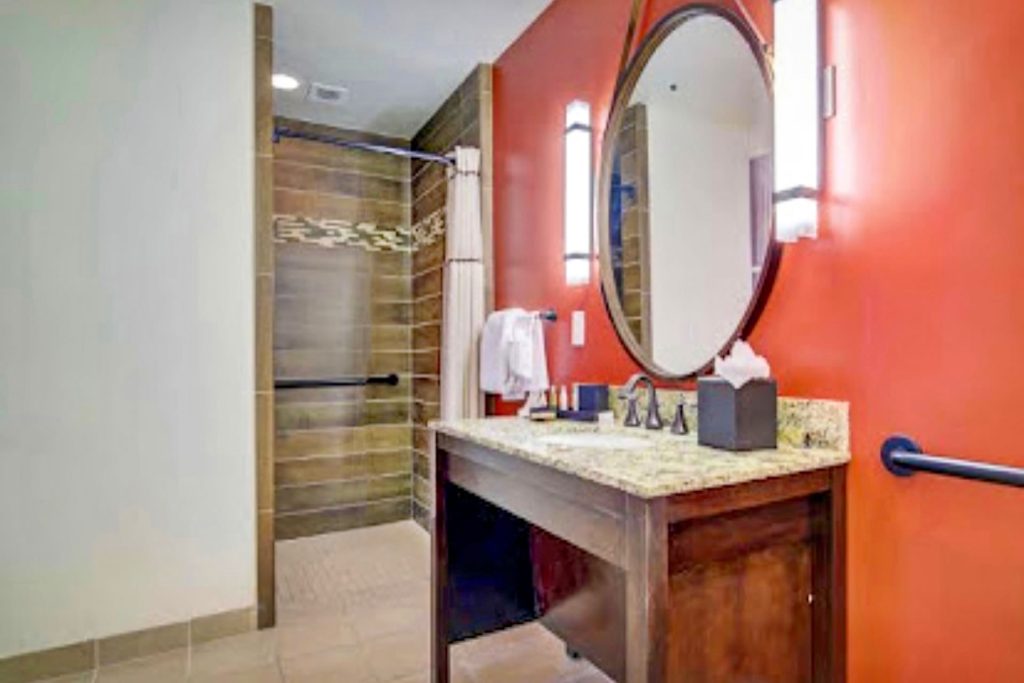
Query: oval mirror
685, 192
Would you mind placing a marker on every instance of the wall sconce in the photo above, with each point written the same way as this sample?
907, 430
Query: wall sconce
578, 231
798, 117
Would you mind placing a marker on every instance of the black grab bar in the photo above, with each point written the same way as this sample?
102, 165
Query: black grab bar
902, 456
390, 380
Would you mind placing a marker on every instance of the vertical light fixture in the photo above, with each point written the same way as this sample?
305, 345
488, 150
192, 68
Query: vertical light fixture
797, 119
578, 233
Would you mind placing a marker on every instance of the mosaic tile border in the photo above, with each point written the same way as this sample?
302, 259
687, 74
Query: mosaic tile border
328, 232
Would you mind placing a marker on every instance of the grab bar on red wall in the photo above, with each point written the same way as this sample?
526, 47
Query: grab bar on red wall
903, 457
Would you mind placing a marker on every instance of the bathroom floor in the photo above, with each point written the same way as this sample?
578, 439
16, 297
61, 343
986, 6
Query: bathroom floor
354, 607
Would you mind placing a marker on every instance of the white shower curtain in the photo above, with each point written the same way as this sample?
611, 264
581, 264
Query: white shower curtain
463, 312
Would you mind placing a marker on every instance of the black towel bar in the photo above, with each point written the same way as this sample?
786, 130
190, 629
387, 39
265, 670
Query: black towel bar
902, 456
390, 380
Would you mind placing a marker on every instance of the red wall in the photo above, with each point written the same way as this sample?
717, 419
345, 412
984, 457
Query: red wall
909, 305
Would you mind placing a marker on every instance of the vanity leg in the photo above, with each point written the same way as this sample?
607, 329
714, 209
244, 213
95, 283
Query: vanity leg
439, 608
828, 613
646, 590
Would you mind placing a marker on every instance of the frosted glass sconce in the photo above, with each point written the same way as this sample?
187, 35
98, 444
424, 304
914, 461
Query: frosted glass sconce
578, 208
798, 116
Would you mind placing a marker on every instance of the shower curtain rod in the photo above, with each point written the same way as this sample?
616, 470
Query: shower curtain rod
282, 132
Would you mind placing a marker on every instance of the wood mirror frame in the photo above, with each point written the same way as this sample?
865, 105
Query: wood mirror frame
624, 90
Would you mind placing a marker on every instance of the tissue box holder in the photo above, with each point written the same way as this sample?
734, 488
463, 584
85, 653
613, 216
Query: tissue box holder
741, 419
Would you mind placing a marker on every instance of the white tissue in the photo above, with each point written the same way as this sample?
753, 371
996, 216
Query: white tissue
742, 365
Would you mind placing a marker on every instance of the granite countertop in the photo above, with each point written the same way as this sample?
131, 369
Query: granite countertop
668, 464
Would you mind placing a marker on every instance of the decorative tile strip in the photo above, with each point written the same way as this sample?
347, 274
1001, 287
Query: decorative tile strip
369, 236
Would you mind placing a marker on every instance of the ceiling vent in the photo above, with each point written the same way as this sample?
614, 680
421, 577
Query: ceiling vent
327, 94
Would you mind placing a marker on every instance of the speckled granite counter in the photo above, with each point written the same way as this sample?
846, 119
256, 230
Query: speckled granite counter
668, 464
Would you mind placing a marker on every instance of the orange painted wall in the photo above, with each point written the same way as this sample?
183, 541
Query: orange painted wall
910, 305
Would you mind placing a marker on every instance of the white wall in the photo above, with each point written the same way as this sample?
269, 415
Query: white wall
126, 350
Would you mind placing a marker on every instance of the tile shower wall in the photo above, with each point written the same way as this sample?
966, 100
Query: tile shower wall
343, 456
463, 119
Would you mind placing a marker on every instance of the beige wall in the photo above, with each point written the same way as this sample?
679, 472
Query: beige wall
126, 295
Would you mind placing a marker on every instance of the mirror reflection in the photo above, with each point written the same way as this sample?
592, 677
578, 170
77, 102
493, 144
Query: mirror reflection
688, 195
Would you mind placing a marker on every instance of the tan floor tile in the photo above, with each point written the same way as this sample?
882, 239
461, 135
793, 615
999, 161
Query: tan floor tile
346, 665
404, 654
315, 633
171, 667
237, 653
269, 673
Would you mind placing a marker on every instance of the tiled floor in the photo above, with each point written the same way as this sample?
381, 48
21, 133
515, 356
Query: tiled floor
353, 607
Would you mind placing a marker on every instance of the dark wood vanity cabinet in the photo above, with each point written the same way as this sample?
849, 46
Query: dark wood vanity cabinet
735, 584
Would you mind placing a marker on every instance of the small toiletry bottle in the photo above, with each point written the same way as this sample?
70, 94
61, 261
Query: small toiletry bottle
553, 397
563, 399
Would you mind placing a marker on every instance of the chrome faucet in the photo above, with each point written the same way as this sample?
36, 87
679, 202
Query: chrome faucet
628, 392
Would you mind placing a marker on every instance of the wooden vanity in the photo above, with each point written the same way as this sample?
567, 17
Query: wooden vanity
688, 564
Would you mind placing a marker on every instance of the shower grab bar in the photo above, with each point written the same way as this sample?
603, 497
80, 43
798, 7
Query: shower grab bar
902, 457
390, 380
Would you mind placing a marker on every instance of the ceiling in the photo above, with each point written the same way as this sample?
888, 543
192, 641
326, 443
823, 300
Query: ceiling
398, 59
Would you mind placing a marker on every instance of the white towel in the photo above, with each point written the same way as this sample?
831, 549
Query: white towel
512, 357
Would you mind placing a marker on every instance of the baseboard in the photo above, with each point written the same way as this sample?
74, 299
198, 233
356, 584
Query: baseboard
91, 654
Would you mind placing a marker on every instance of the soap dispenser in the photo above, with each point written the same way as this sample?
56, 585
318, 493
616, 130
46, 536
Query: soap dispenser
679, 425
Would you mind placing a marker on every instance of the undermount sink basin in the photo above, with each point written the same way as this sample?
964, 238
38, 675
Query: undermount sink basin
594, 440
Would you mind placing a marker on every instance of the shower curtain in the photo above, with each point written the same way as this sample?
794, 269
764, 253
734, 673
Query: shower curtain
463, 303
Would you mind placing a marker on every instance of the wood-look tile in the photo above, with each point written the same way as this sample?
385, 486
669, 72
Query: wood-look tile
424, 412
319, 154
428, 283
391, 338
342, 263
426, 389
342, 133
373, 392
264, 319
356, 465
143, 643
265, 451
429, 177
265, 569
326, 206
334, 181
421, 515
338, 493
300, 524
426, 363
421, 491
390, 313
630, 247
428, 257
430, 201
320, 415
632, 277
421, 439
632, 304
426, 336
343, 441
263, 67
263, 223
392, 288
427, 309
167, 667
50, 663
421, 464
394, 263
223, 625
264, 20
327, 363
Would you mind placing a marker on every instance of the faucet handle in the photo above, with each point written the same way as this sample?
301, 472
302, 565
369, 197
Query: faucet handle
654, 420
679, 425
632, 416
